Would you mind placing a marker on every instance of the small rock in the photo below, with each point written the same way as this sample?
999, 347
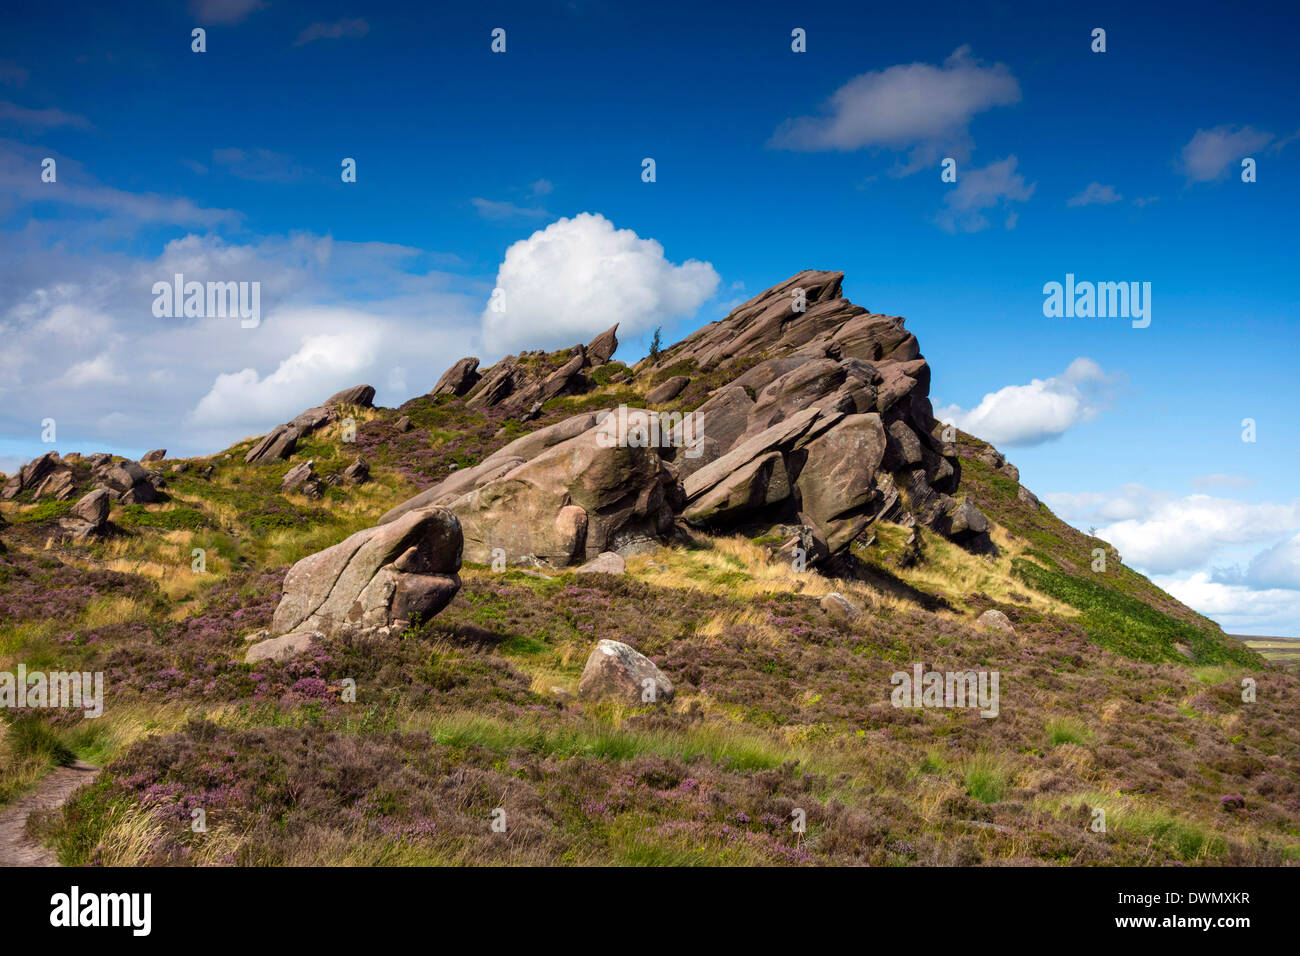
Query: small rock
1028, 497
297, 475
357, 472
158, 454
607, 562
839, 608
403, 424
282, 648
996, 620
616, 670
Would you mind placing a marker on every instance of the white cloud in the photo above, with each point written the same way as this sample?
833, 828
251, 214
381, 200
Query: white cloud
95, 371
916, 106
1187, 533
323, 365
981, 189
1131, 501
77, 326
577, 277
1209, 153
1095, 195
1238, 609
1277, 567
1034, 413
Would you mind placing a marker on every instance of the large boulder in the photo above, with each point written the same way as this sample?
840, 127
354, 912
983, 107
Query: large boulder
499, 463
624, 490
458, 379
380, 577
276, 445
30, 475
361, 395
89, 516
666, 391
601, 349
619, 672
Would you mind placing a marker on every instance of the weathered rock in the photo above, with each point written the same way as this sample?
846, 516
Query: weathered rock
839, 608
277, 445
158, 454
403, 424
607, 562
297, 475
615, 670
357, 472
89, 516
58, 484
996, 620
458, 379
603, 346
750, 487
361, 395
378, 577
30, 475
668, 390
624, 490
837, 482
282, 648
497, 384
499, 463
313, 418
1028, 497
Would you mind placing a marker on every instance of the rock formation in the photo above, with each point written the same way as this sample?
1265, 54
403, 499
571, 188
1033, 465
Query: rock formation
381, 577
830, 430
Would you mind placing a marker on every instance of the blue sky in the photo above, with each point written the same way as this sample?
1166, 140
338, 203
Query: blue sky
1114, 166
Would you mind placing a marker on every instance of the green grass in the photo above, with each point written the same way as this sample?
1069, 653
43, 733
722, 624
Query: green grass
1127, 626
45, 511
172, 519
987, 777
1064, 730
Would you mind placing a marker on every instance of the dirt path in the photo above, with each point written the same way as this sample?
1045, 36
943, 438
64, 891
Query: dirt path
16, 847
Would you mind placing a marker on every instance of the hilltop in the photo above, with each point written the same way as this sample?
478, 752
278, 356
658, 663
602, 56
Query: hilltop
772, 563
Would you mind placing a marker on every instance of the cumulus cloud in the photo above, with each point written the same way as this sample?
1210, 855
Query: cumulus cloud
1187, 533
1276, 567
1209, 154
919, 107
1038, 412
979, 190
577, 277
1237, 608
324, 364
1095, 195
83, 346
1131, 501
338, 30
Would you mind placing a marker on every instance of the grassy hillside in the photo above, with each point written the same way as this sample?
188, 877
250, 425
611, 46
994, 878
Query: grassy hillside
1113, 695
